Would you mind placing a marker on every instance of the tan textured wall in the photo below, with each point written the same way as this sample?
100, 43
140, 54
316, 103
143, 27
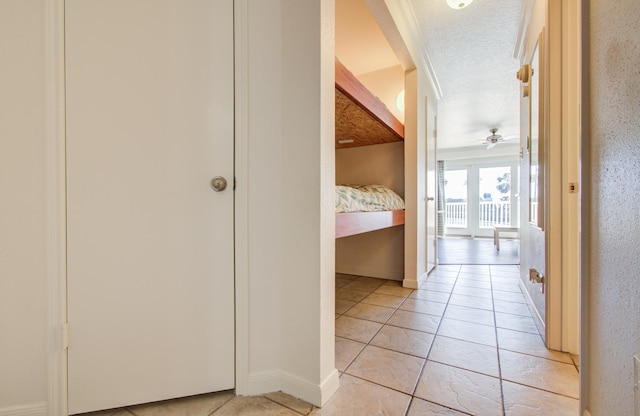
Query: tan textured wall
378, 253
613, 251
381, 164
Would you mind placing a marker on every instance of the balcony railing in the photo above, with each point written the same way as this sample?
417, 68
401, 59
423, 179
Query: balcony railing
491, 214
456, 214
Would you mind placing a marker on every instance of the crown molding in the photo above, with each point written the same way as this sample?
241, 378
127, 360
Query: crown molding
521, 37
405, 18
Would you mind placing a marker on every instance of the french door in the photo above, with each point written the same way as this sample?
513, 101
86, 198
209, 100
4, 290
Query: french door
479, 197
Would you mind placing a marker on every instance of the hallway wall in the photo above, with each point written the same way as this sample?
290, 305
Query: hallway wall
611, 242
380, 253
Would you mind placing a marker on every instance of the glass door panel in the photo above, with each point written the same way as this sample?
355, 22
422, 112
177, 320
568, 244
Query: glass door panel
494, 202
455, 193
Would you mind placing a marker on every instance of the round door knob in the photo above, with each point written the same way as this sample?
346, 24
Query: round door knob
218, 184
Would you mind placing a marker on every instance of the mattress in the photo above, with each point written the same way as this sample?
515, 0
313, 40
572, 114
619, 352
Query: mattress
366, 198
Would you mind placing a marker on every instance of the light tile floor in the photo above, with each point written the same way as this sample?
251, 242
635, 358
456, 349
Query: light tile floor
464, 343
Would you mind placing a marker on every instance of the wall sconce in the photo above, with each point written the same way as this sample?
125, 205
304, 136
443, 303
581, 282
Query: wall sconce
459, 4
400, 101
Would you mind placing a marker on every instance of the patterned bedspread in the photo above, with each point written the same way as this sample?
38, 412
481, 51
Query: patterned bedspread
358, 198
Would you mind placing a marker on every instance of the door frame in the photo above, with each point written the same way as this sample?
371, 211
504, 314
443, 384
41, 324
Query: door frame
56, 210
562, 24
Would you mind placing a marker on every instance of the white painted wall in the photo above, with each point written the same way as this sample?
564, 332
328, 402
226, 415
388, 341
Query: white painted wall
380, 253
291, 198
23, 299
611, 168
415, 165
308, 199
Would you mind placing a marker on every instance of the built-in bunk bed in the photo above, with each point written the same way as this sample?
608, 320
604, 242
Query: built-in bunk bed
363, 120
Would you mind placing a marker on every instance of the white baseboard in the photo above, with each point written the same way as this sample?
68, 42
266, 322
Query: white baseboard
264, 382
37, 409
537, 318
415, 284
316, 394
329, 387
364, 271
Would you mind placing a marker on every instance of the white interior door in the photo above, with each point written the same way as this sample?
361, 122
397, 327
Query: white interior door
432, 208
150, 244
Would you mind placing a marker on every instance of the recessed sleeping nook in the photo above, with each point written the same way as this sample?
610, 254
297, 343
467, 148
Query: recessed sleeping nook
370, 169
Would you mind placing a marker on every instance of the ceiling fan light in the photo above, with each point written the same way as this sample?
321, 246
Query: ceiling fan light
458, 4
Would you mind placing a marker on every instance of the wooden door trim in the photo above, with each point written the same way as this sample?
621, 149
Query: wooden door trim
241, 194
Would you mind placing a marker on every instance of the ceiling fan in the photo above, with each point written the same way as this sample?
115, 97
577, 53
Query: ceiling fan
494, 139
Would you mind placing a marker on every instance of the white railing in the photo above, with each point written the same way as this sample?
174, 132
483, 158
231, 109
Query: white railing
456, 214
495, 214
491, 214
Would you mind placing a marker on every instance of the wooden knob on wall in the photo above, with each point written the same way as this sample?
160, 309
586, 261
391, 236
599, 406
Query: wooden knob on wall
524, 74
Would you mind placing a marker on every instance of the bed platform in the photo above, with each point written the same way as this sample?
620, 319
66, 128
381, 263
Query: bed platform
352, 223
364, 208
361, 118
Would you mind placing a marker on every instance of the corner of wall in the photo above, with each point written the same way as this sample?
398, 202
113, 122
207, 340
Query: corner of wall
415, 283
270, 381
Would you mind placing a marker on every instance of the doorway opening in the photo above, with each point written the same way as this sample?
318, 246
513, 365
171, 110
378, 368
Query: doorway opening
479, 213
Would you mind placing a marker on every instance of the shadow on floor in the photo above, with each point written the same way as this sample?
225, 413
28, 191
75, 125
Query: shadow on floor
454, 250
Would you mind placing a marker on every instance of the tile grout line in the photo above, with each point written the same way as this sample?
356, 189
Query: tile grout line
411, 395
530, 355
539, 389
495, 322
224, 404
426, 358
368, 343
287, 407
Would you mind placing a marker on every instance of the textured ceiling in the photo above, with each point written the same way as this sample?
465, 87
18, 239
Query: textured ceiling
472, 55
